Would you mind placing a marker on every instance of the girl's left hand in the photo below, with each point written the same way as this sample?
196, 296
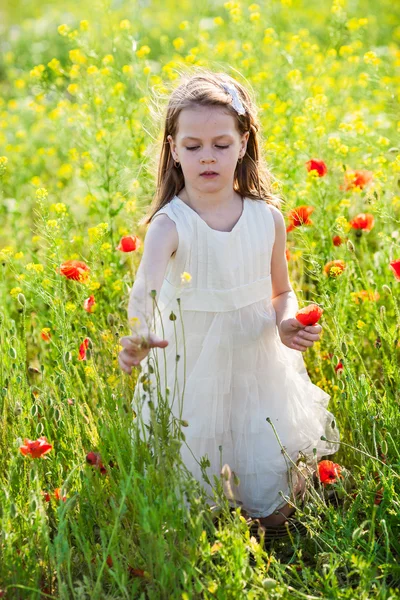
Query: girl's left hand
297, 336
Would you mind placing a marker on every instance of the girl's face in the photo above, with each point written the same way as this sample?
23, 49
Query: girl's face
207, 140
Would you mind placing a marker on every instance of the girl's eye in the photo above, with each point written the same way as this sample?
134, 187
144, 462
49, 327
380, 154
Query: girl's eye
195, 147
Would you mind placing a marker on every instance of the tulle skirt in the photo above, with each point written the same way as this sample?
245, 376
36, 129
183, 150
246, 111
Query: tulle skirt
234, 372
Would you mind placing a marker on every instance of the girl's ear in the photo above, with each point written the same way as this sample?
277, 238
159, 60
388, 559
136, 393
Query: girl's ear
245, 139
171, 144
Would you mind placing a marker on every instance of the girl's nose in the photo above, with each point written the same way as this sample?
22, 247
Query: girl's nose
209, 159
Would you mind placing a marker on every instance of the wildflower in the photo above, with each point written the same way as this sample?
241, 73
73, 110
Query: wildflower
75, 269
363, 221
328, 471
395, 266
94, 459
299, 216
63, 29
287, 253
45, 334
315, 164
185, 277
334, 267
36, 267
89, 303
339, 368
56, 494
357, 179
37, 448
128, 243
337, 240
82, 349
309, 315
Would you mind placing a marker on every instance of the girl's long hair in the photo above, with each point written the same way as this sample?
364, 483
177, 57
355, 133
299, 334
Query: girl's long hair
252, 179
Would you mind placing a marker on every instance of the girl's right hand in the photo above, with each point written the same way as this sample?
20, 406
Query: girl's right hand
136, 348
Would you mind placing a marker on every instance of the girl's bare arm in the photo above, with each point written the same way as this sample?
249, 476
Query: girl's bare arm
160, 243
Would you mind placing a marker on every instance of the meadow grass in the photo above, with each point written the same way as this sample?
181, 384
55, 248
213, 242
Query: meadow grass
82, 93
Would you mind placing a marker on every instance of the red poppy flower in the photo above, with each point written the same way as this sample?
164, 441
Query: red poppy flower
395, 266
339, 368
328, 471
339, 267
129, 243
94, 459
37, 448
309, 315
337, 240
356, 178
56, 494
82, 349
299, 216
317, 165
45, 334
75, 269
89, 303
363, 221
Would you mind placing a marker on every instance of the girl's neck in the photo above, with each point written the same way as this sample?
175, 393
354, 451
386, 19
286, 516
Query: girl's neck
212, 202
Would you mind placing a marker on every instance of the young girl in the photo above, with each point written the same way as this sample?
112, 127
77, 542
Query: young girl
217, 242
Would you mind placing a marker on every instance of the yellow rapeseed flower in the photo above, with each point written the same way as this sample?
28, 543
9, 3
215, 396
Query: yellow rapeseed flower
84, 25
63, 29
125, 24
178, 43
143, 51
370, 58
73, 88
35, 267
108, 59
92, 70
15, 291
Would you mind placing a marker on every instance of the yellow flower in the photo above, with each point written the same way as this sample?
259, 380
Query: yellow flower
70, 307
36, 267
219, 21
185, 277
255, 16
63, 29
107, 273
178, 43
89, 372
59, 208
127, 70
37, 71
360, 324
143, 51
370, 58
84, 25
92, 70
15, 291
117, 285
106, 247
94, 285
125, 24
53, 223
18, 255
108, 59
73, 88
76, 56
96, 233
111, 380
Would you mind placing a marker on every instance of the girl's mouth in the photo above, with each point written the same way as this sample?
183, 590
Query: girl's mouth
209, 174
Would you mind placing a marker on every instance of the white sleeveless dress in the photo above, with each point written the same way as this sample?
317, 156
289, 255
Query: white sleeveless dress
238, 372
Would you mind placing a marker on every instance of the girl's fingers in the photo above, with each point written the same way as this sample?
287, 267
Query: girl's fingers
126, 368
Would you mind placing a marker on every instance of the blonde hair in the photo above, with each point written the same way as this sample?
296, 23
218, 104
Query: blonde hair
204, 88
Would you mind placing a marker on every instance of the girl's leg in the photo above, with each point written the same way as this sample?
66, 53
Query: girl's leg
286, 510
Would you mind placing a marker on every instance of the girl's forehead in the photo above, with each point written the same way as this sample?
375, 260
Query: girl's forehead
206, 121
